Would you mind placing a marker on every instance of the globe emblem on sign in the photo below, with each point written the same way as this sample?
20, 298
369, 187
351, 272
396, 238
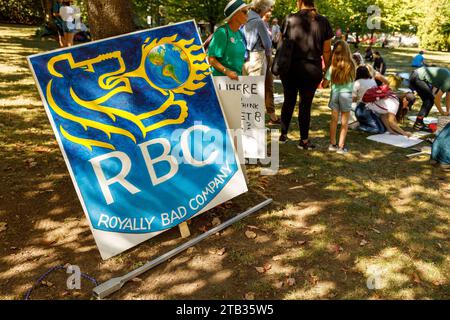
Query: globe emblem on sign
167, 66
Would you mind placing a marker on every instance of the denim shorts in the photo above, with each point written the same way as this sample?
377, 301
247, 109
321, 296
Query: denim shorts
341, 101
69, 27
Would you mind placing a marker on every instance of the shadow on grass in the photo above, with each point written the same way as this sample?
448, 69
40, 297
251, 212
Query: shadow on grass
336, 222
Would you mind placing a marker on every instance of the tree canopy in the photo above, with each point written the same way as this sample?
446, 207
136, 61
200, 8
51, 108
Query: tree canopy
429, 19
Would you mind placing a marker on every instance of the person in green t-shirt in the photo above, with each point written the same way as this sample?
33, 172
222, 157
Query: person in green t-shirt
426, 81
226, 52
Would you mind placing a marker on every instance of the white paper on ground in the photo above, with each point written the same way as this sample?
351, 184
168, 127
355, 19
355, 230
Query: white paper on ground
426, 120
395, 140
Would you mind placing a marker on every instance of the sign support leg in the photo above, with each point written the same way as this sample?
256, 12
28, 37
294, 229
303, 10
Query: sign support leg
184, 230
114, 284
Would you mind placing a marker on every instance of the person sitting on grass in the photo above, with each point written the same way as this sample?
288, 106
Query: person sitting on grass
363, 82
378, 63
341, 74
368, 121
369, 54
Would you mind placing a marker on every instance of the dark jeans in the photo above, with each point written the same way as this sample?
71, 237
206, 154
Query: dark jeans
425, 93
368, 121
303, 78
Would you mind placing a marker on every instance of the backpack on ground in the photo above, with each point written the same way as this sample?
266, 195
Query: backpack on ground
440, 151
378, 93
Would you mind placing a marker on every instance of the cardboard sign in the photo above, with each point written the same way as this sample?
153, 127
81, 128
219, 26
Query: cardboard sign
243, 102
142, 131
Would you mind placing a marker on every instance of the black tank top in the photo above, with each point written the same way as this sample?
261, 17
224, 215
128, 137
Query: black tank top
309, 30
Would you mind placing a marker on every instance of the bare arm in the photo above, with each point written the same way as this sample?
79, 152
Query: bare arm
447, 102
384, 119
394, 125
220, 67
438, 103
380, 77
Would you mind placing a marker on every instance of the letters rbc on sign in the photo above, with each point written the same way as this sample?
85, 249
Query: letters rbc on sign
142, 132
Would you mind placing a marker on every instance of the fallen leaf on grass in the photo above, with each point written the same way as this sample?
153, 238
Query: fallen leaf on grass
279, 284
3, 226
335, 248
267, 266
219, 252
250, 234
42, 149
249, 296
438, 283
290, 282
376, 230
260, 269
47, 284
215, 222
313, 279
31, 162
363, 243
416, 278
301, 242
257, 228
191, 250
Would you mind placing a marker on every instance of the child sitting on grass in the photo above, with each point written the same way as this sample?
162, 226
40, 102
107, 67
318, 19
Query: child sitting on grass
342, 75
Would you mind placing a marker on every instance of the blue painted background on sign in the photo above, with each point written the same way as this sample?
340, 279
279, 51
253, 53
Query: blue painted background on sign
95, 94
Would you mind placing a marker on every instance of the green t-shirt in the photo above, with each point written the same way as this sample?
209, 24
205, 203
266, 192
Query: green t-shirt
437, 77
228, 48
339, 88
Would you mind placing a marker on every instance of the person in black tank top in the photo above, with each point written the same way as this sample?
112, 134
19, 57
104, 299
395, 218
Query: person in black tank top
311, 33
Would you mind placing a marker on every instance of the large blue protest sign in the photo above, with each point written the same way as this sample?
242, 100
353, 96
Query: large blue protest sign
142, 131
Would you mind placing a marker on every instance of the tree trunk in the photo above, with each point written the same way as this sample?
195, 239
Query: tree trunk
110, 18
47, 8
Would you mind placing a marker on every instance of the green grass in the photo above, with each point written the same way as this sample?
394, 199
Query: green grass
398, 206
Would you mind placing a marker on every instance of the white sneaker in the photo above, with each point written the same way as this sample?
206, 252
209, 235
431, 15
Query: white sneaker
333, 147
343, 150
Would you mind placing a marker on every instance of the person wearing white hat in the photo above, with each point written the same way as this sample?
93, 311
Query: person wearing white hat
226, 52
